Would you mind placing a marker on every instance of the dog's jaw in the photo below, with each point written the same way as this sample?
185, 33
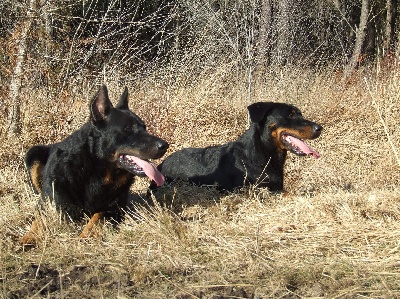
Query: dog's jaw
297, 146
126, 162
140, 167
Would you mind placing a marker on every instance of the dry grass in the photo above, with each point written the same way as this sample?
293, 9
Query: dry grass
335, 236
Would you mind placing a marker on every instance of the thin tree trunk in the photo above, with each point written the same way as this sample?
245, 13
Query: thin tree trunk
391, 15
264, 35
48, 27
14, 116
360, 38
397, 47
282, 51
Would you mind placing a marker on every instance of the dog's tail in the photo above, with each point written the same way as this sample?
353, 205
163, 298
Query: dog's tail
35, 161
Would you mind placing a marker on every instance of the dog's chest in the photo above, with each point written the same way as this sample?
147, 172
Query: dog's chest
116, 178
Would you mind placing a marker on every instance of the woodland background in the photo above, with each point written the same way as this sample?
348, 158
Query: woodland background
55, 44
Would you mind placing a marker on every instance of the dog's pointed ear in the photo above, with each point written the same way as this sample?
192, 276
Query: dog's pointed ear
123, 100
101, 105
257, 111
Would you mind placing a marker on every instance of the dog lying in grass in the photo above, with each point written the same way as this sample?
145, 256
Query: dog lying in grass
256, 158
89, 173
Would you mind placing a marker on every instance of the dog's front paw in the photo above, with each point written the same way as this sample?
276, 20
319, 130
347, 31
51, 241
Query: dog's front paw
93, 227
32, 237
29, 239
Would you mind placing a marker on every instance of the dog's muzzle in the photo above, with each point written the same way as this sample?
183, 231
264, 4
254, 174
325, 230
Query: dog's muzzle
141, 167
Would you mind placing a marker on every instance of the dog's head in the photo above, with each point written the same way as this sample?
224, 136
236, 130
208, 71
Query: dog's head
122, 138
285, 126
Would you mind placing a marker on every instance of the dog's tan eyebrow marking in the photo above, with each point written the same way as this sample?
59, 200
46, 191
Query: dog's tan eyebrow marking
272, 125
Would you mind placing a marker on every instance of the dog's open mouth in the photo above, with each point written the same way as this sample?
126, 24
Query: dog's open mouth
141, 167
298, 146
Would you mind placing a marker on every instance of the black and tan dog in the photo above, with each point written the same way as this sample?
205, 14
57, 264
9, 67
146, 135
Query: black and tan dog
256, 158
90, 172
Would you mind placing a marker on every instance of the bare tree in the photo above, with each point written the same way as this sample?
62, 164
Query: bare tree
264, 34
360, 38
282, 51
132, 36
48, 28
14, 116
391, 15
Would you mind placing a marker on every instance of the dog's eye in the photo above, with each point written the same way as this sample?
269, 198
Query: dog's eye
134, 127
130, 128
294, 115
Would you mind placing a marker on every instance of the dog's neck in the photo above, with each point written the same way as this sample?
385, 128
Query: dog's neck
261, 147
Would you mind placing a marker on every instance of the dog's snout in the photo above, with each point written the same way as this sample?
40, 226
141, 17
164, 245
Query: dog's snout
162, 145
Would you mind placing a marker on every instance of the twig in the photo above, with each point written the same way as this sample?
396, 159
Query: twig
45, 286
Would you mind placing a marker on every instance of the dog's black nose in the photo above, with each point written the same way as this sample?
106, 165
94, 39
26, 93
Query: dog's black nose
317, 129
162, 145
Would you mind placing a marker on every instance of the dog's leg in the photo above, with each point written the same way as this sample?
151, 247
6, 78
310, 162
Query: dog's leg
90, 230
32, 237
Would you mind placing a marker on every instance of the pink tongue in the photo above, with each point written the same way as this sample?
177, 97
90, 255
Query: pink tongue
150, 170
303, 147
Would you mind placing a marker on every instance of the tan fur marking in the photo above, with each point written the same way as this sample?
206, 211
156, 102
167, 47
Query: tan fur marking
276, 134
121, 180
90, 228
36, 172
306, 133
107, 178
117, 180
32, 237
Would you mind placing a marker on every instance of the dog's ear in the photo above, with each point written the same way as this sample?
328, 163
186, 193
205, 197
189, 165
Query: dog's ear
123, 100
257, 111
101, 105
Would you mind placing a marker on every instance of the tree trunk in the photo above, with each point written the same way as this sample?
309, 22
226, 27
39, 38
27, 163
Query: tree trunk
282, 51
264, 35
360, 38
48, 27
391, 15
14, 115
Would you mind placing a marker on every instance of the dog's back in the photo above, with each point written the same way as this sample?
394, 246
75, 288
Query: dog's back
221, 166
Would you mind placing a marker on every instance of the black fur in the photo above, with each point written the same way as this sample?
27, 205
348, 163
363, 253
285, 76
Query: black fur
83, 174
257, 157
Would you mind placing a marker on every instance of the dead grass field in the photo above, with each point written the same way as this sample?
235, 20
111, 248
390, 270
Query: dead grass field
337, 235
